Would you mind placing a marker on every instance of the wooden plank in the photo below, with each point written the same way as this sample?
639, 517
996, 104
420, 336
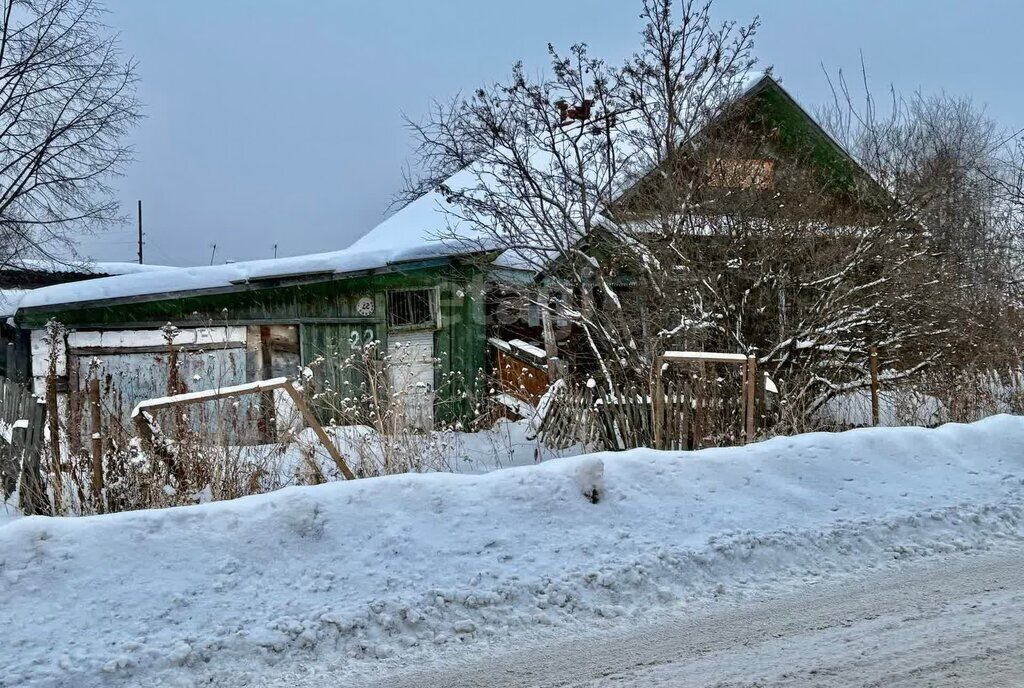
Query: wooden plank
873, 360
209, 395
311, 420
703, 357
700, 411
97, 443
751, 392
73, 417
548, 331
28, 442
684, 429
55, 458
658, 404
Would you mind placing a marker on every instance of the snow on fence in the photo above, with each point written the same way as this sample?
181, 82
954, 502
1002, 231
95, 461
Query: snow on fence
684, 412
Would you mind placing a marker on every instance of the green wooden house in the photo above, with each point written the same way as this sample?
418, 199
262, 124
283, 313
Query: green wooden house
328, 315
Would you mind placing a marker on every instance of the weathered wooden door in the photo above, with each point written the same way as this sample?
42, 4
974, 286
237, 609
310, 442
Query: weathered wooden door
411, 376
337, 355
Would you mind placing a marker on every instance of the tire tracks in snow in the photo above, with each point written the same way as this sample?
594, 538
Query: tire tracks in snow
945, 621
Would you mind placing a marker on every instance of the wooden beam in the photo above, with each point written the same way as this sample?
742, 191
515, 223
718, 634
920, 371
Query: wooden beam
300, 403
139, 414
750, 406
97, 443
209, 395
548, 330
54, 427
873, 360
703, 357
658, 406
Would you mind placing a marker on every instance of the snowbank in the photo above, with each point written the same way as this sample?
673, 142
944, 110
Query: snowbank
374, 568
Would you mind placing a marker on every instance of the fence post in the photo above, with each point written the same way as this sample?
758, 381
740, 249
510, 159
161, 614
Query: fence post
658, 406
873, 360
53, 422
97, 443
749, 392
684, 429
27, 443
699, 416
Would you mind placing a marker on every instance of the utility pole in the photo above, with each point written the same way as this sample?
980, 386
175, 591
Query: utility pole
140, 232
213, 252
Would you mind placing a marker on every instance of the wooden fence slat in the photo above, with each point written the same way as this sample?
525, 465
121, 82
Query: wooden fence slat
95, 425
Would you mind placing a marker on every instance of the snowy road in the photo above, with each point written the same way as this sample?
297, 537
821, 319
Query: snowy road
952, 621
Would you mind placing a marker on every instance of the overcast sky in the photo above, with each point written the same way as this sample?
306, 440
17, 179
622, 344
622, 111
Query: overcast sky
272, 122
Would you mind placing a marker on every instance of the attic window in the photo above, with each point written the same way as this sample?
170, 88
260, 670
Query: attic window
740, 173
412, 308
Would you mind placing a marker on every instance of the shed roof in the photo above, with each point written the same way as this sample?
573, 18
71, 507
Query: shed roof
156, 285
58, 266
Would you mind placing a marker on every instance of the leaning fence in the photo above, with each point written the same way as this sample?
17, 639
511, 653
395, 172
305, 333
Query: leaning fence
693, 401
22, 427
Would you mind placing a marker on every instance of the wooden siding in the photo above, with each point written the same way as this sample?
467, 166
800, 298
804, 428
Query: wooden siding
519, 378
324, 311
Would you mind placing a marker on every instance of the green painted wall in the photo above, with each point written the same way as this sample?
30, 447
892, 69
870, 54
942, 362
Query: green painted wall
327, 317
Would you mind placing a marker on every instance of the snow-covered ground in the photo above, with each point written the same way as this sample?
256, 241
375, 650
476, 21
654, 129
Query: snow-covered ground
344, 574
505, 444
951, 620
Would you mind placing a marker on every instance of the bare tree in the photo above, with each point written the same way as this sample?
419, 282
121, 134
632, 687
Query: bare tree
662, 211
67, 99
541, 159
961, 176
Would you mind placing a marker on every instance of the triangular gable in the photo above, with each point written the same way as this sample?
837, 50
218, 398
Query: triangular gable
797, 132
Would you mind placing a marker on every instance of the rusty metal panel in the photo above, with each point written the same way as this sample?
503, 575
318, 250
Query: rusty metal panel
128, 378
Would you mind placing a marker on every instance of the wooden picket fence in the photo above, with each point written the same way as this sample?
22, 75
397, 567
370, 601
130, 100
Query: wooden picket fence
684, 412
597, 418
23, 416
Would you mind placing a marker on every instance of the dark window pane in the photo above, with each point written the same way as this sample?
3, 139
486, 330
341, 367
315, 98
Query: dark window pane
412, 307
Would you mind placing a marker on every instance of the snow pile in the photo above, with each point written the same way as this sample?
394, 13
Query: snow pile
217, 593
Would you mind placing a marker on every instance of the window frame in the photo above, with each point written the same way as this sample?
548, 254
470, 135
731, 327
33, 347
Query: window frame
435, 316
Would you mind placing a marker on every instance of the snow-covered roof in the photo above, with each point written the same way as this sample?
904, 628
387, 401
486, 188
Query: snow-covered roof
430, 221
420, 230
180, 280
10, 300
87, 267
423, 221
